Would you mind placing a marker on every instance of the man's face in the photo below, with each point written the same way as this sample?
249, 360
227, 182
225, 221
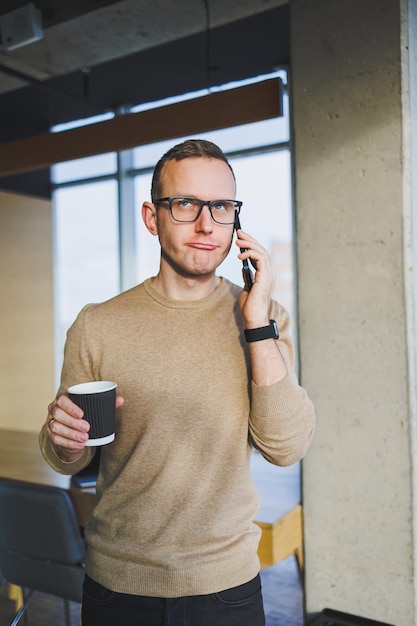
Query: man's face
197, 248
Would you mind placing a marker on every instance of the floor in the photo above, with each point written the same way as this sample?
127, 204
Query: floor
281, 585
283, 594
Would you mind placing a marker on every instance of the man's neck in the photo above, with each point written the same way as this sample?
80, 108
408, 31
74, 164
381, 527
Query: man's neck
185, 288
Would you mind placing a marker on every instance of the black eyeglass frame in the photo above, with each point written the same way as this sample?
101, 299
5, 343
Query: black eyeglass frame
203, 203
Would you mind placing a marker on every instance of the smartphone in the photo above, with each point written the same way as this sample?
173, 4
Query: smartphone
246, 273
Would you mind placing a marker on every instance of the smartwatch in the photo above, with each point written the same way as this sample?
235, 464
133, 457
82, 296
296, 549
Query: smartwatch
264, 332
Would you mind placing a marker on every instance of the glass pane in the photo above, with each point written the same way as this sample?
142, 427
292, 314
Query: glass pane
85, 121
148, 250
88, 167
86, 251
264, 186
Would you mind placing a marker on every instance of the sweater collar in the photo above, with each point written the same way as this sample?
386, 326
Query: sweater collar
214, 297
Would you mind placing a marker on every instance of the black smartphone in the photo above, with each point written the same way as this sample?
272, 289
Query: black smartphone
246, 273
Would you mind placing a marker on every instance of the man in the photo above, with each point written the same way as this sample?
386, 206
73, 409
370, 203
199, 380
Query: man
202, 379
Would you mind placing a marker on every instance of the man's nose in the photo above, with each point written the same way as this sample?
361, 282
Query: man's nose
205, 220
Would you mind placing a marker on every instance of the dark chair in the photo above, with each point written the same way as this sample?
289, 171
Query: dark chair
41, 546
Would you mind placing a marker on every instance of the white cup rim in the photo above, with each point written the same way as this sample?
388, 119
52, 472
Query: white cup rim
96, 386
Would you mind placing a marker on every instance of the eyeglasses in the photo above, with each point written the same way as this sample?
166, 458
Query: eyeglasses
184, 209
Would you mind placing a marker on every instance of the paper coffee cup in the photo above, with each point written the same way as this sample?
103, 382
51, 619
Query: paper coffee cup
98, 401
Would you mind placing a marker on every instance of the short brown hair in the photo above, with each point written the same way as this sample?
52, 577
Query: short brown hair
191, 148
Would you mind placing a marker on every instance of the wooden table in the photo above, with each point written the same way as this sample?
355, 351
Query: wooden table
280, 515
21, 459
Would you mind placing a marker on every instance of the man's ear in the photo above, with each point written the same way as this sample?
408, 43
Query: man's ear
149, 217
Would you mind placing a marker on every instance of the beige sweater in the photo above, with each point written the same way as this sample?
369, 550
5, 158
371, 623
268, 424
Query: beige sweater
175, 499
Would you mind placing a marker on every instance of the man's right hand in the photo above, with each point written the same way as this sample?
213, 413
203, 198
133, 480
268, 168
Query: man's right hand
66, 428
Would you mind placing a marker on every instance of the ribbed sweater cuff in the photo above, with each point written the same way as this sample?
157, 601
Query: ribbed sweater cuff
60, 466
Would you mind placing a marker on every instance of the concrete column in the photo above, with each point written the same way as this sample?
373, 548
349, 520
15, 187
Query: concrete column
352, 184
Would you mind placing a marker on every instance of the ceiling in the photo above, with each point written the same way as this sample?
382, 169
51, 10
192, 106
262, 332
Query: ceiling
104, 55
82, 34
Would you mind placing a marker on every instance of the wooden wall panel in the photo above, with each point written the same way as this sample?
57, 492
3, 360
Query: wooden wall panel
26, 311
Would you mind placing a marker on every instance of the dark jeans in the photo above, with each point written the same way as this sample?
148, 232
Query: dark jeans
239, 606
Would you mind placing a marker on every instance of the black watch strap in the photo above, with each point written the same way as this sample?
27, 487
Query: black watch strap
265, 332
